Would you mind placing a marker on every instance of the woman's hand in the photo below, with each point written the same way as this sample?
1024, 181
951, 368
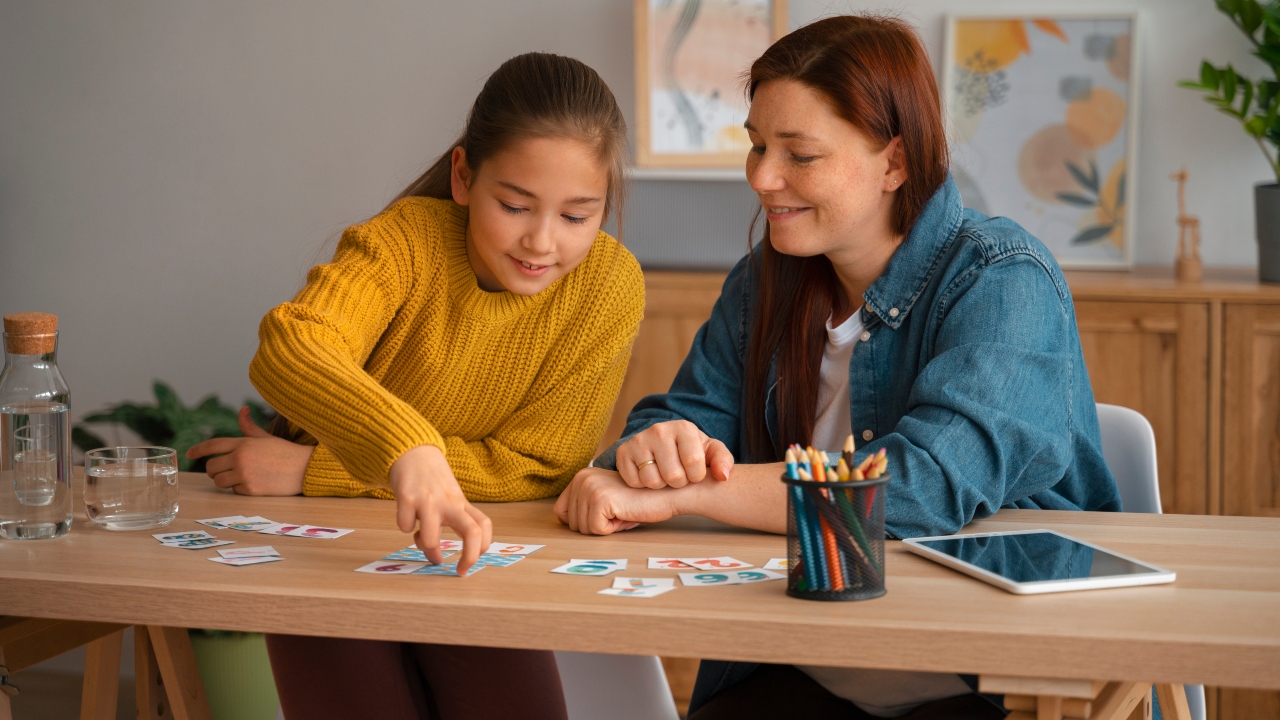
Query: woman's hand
427, 494
257, 464
599, 502
672, 454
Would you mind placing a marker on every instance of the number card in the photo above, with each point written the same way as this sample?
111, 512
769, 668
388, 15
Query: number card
174, 537
512, 549
591, 567
381, 567
723, 562
669, 564
776, 564
446, 569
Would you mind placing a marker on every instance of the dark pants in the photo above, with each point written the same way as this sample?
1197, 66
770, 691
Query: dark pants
319, 678
780, 691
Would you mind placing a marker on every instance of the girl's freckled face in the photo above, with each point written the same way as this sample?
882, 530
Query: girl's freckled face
535, 210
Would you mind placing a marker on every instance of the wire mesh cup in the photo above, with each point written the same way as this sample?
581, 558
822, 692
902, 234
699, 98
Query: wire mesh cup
835, 539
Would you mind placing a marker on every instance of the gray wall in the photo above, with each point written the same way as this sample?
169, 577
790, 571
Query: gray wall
168, 171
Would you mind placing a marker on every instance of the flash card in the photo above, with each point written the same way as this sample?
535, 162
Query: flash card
251, 523
245, 560
279, 529
646, 591
199, 543
315, 531
487, 559
380, 567
776, 564
444, 545
701, 579
412, 554
637, 583
723, 562
669, 564
261, 551
180, 536
446, 569
512, 549
591, 567
221, 523
753, 576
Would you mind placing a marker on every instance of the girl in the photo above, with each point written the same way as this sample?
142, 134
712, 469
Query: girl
467, 344
878, 306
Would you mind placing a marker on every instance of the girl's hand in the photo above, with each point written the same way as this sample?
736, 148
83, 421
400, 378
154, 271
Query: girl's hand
257, 464
427, 494
599, 502
672, 454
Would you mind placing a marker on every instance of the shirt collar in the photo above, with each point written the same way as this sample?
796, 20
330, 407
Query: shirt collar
893, 294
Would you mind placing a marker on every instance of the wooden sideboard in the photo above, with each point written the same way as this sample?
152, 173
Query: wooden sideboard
1200, 360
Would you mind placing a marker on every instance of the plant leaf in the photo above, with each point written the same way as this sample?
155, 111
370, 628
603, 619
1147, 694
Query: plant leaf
1077, 200
1086, 181
1229, 80
1257, 127
1268, 54
1210, 78
182, 442
1246, 94
1250, 14
1092, 234
86, 440
1120, 191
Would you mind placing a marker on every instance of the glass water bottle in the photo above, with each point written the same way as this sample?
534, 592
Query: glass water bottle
35, 432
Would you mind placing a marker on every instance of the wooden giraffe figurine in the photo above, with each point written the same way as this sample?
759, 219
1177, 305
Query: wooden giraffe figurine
1188, 267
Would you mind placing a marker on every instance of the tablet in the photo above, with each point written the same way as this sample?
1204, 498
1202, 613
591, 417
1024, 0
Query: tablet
1030, 562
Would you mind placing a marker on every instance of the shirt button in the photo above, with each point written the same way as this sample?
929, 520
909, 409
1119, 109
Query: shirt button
865, 336
867, 435
893, 312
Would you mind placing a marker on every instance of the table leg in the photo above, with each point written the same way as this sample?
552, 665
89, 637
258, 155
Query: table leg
181, 674
101, 678
1173, 702
153, 703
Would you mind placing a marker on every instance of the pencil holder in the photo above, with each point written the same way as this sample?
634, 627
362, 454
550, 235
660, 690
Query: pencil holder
835, 539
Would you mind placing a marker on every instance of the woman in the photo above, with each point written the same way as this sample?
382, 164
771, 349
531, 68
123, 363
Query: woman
878, 306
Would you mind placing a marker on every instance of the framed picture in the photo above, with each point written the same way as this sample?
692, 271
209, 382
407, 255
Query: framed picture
691, 59
1042, 118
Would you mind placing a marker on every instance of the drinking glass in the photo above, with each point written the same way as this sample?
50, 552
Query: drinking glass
131, 488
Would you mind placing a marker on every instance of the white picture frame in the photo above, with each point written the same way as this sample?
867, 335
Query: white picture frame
1031, 105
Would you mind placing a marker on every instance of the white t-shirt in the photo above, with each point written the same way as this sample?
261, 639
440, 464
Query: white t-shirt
882, 693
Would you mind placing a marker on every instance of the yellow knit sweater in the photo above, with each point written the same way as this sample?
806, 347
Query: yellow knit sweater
394, 345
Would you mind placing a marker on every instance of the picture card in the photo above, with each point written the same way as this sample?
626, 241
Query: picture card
591, 567
735, 577
669, 564
723, 562
636, 582
444, 545
199, 543
246, 560
412, 554
172, 537
382, 567
260, 551
251, 523
487, 559
446, 569
776, 564
279, 529
512, 549
316, 531
647, 591
222, 522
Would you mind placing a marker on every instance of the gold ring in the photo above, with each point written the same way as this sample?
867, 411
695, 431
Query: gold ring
646, 462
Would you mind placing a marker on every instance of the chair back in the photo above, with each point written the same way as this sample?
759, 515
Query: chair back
618, 687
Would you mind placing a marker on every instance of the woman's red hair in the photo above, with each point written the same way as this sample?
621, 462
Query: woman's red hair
875, 73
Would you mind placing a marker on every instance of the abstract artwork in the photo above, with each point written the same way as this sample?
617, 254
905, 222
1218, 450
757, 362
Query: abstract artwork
691, 60
1041, 117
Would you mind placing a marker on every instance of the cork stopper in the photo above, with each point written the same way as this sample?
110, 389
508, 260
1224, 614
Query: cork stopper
30, 333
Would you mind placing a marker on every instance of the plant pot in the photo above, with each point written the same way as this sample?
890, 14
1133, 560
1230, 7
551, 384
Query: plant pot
236, 673
1266, 201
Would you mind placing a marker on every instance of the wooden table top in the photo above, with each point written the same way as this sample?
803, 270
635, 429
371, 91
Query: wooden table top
1219, 624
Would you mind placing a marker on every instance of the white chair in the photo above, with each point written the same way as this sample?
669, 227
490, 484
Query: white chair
1129, 448
616, 687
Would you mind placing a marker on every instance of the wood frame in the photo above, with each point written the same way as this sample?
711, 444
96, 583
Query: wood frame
645, 157
1131, 116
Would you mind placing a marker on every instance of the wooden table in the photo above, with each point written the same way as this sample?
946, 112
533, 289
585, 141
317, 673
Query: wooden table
1218, 624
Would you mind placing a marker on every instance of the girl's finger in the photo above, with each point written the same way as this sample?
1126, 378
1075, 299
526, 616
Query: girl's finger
486, 526
429, 533
218, 465
214, 446
248, 427
226, 479
406, 514
469, 531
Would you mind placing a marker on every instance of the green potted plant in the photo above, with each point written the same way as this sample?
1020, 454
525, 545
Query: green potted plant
1256, 104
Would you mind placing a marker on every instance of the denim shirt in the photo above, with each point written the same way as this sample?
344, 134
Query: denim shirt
970, 377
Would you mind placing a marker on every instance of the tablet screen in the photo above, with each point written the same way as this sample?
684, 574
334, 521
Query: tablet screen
1036, 557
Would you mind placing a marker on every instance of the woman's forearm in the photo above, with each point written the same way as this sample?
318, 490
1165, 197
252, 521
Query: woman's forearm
753, 497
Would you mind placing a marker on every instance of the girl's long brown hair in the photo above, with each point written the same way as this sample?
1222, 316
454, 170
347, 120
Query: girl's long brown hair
875, 73
538, 95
